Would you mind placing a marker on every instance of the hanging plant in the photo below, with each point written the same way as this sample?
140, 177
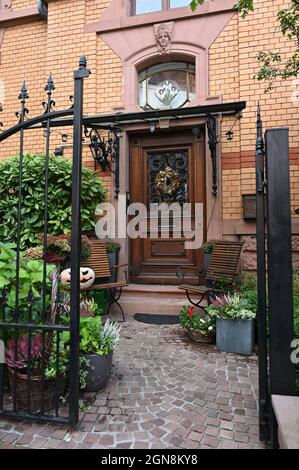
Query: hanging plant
168, 182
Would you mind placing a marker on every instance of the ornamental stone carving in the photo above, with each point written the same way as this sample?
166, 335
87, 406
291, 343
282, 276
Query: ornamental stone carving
163, 34
5, 4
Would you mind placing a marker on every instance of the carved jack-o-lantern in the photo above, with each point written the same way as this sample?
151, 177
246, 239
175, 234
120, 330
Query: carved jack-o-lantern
87, 278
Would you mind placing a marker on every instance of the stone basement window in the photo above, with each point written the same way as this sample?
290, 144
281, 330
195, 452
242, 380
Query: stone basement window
140, 7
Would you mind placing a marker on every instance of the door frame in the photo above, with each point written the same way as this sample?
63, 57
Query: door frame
146, 143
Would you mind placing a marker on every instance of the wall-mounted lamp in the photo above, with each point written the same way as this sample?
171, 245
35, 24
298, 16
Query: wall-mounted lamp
64, 138
230, 134
153, 127
105, 151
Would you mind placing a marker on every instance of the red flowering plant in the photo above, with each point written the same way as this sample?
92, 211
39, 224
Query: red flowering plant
59, 247
198, 320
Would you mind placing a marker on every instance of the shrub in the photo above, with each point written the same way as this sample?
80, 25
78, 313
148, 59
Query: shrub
59, 203
31, 276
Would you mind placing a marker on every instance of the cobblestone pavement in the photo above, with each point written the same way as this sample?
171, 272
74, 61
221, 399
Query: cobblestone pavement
165, 392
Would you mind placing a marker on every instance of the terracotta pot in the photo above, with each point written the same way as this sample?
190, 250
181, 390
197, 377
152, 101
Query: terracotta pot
197, 336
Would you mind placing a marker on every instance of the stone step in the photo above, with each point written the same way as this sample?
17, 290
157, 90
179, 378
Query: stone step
287, 414
140, 298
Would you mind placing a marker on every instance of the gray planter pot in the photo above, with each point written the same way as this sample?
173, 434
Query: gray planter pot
235, 336
206, 260
98, 371
113, 261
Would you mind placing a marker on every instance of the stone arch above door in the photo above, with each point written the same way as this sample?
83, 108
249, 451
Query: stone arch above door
191, 37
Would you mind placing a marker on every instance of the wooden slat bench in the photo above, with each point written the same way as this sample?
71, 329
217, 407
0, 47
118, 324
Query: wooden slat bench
223, 266
99, 263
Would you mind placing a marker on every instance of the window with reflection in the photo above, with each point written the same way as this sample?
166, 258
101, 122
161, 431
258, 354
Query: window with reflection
170, 85
140, 7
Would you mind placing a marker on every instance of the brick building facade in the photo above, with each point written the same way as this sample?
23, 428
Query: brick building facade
120, 45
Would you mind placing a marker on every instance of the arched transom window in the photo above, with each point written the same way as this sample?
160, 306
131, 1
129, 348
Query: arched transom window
170, 85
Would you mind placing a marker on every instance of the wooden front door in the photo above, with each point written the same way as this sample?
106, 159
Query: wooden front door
165, 168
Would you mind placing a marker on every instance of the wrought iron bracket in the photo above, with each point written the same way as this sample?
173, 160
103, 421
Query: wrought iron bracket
105, 152
213, 141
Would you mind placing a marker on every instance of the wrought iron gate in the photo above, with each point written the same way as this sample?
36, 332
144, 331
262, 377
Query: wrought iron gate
275, 274
33, 328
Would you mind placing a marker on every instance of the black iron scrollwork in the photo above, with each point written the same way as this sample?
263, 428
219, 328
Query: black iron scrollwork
213, 141
175, 163
105, 151
49, 88
23, 96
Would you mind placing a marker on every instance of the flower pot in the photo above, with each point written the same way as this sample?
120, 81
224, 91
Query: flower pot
206, 260
235, 336
98, 371
197, 336
20, 387
113, 261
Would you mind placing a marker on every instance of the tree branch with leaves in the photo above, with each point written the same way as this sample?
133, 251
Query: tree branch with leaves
272, 65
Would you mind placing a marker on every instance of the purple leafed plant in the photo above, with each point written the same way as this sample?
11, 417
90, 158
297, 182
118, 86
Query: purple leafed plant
21, 360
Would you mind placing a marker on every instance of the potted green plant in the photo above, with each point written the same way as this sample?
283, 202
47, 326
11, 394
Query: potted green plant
207, 252
97, 343
199, 325
113, 249
234, 324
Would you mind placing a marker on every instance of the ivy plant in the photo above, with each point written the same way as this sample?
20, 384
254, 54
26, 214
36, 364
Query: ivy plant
33, 198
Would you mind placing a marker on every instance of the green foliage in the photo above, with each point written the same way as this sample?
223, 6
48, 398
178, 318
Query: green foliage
197, 321
30, 274
231, 306
248, 291
96, 338
112, 246
33, 195
271, 64
208, 247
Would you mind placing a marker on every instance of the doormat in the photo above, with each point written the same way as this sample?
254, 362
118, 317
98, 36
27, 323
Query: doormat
154, 319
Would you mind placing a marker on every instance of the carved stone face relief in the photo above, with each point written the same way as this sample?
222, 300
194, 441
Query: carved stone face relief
163, 33
4, 4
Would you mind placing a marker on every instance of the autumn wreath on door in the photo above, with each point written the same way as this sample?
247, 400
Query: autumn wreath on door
168, 183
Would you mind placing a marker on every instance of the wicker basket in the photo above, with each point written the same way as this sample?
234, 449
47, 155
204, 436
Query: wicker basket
49, 399
196, 335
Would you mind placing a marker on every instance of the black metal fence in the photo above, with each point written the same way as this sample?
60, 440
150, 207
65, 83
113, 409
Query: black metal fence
42, 355
275, 275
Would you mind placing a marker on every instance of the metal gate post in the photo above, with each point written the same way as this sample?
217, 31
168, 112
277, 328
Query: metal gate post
79, 76
280, 272
261, 283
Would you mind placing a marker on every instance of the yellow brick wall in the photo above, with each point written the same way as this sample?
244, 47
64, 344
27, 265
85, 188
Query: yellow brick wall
16, 4
232, 65
34, 49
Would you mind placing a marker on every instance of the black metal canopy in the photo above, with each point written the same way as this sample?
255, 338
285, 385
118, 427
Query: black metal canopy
120, 119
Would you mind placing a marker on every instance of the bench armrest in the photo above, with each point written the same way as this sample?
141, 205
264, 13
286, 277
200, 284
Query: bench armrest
181, 271
125, 271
